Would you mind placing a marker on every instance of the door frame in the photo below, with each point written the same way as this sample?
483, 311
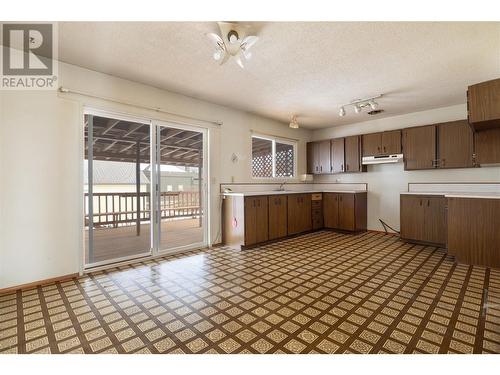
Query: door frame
156, 126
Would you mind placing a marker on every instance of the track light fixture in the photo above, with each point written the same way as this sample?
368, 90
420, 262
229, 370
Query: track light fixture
359, 104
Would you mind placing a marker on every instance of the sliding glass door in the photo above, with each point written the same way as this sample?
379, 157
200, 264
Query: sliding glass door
144, 188
181, 188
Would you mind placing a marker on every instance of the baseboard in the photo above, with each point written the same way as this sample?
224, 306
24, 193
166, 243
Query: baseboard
34, 284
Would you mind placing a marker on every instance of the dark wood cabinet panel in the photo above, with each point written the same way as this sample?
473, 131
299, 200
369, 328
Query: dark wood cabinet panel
483, 105
330, 210
346, 212
473, 235
423, 219
455, 144
488, 146
391, 142
372, 144
256, 220
338, 155
352, 154
419, 147
435, 220
411, 217
325, 164
299, 213
312, 157
278, 213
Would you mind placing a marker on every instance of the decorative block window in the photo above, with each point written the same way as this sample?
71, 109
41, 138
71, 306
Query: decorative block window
272, 157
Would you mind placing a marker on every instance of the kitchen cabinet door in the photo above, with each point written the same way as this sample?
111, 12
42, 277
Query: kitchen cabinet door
306, 213
338, 155
325, 164
372, 144
488, 146
483, 105
313, 159
277, 216
455, 140
435, 220
346, 219
256, 220
412, 217
330, 210
419, 147
391, 142
352, 154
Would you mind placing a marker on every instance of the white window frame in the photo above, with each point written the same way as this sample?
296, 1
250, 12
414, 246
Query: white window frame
273, 139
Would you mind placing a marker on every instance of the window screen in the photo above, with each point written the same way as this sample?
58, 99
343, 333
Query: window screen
262, 157
272, 158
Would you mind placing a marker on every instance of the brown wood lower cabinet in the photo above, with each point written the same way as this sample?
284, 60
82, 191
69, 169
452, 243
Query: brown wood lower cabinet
299, 213
345, 211
423, 219
278, 216
473, 231
256, 220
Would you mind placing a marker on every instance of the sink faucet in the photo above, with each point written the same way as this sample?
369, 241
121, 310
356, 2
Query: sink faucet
282, 186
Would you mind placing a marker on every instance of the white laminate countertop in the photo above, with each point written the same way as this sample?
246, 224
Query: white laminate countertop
447, 194
278, 192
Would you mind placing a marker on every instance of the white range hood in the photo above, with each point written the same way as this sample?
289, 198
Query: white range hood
382, 159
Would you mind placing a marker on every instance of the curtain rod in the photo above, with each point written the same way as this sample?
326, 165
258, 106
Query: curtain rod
156, 109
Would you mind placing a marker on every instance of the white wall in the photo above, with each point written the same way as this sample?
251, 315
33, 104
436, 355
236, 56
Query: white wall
386, 181
41, 164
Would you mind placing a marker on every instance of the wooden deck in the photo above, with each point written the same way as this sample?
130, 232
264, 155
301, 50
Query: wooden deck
113, 243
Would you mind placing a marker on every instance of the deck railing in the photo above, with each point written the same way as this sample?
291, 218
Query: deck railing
120, 209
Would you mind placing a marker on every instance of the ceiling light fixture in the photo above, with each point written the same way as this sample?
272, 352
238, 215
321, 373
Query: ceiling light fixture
359, 104
232, 41
293, 122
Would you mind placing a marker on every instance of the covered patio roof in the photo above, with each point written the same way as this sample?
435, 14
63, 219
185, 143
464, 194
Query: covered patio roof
117, 140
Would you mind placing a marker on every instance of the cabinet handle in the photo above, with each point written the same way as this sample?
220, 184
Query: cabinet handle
342, 167
420, 201
378, 148
384, 148
428, 202
321, 168
340, 198
444, 162
347, 167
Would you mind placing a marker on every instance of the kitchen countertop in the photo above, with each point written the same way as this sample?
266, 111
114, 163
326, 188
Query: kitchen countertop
278, 192
455, 194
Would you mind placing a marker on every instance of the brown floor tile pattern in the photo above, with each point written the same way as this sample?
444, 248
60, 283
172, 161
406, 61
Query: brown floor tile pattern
322, 292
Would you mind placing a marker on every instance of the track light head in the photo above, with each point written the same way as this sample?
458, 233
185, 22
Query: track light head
373, 104
357, 108
342, 112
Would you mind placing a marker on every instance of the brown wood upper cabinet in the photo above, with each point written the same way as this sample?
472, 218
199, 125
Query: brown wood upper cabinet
319, 157
256, 220
419, 147
299, 213
345, 211
423, 219
483, 105
278, 214
488, 146
338, 161
353, 154
455, 145
384, 143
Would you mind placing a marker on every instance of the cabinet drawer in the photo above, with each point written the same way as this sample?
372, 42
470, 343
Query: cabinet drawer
316, 197
317, 212
316, 204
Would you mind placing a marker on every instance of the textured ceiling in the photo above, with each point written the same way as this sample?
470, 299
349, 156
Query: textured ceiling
307, 68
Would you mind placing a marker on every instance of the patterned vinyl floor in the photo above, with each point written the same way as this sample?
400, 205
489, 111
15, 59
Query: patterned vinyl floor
319, 293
